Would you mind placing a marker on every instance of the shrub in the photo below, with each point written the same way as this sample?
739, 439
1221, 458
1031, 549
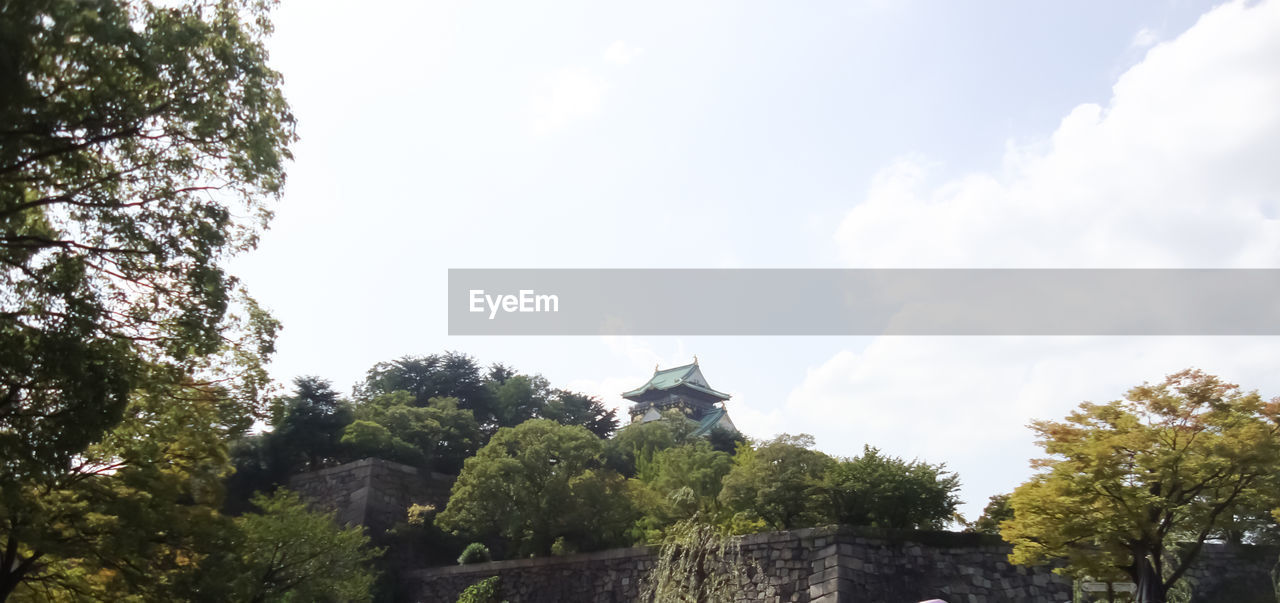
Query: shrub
474, 553
484, 591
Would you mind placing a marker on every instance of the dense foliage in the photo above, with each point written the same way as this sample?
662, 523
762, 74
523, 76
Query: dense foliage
536, 483
290, 553
139, 146
888, 492
445, 409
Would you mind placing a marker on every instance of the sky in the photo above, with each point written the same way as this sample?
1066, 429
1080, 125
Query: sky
727, 134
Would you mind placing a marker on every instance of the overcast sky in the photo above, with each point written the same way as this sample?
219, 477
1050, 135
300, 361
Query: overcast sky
439, 135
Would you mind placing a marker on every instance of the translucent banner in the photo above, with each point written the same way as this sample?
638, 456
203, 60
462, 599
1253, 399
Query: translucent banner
863, 302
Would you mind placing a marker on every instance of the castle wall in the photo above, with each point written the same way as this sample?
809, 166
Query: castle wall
372, 492
839, 565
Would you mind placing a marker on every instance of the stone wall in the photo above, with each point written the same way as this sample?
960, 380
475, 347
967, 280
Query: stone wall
817, 565
372, 492
827, 565
1234, 573
841, 565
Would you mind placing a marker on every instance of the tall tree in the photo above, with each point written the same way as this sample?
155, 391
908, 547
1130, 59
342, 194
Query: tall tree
888, 492
138, 144
637, 443
133, 511
677, 485
995, 513
1126, 481
287, 552
777, 485
535, 483
448, 375
138, 147
518, 399
307, 426
571, 408
439, 436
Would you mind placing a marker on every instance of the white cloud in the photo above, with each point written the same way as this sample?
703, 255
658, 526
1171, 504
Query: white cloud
1177, 170
566, 96
619, 53
1144, 38
967, 400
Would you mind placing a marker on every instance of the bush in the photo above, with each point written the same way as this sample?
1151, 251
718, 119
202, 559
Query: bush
560, 547
484, 591
474, 553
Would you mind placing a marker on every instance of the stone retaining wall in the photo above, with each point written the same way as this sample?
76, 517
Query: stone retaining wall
827, 565
843, 565
372, 492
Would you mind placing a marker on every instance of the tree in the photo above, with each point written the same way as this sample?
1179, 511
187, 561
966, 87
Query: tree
570, 408
518, 399
133, 512
679, 484
307, 426
535, 483
1127, 481
306, 430
449, 375
778, 484
995, 513
138, 146
438, 436
888, 492
290, 553
638, 442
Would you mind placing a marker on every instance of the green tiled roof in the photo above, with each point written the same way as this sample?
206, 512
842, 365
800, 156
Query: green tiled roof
672, 378
709, 421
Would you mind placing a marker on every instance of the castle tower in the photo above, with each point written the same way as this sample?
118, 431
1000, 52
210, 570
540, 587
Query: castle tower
681, 389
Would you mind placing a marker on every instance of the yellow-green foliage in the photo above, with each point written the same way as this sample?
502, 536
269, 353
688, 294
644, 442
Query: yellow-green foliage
1125, 480
488, 590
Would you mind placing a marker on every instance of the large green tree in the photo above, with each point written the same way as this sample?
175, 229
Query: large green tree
288, 552
637, 443
572, 408
138, 145
778, 485
679, 484
134, 514
888, 492
438, 436
1134, 487
995, 513
537, 483
448, 375
306, 426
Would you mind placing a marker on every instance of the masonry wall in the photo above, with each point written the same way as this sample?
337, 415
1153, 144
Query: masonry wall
372, 492
818, 565
1234, 574
841, 565
826, 565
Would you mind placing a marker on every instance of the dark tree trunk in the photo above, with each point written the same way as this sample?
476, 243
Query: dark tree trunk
1150, 585
13, 568
11, 578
